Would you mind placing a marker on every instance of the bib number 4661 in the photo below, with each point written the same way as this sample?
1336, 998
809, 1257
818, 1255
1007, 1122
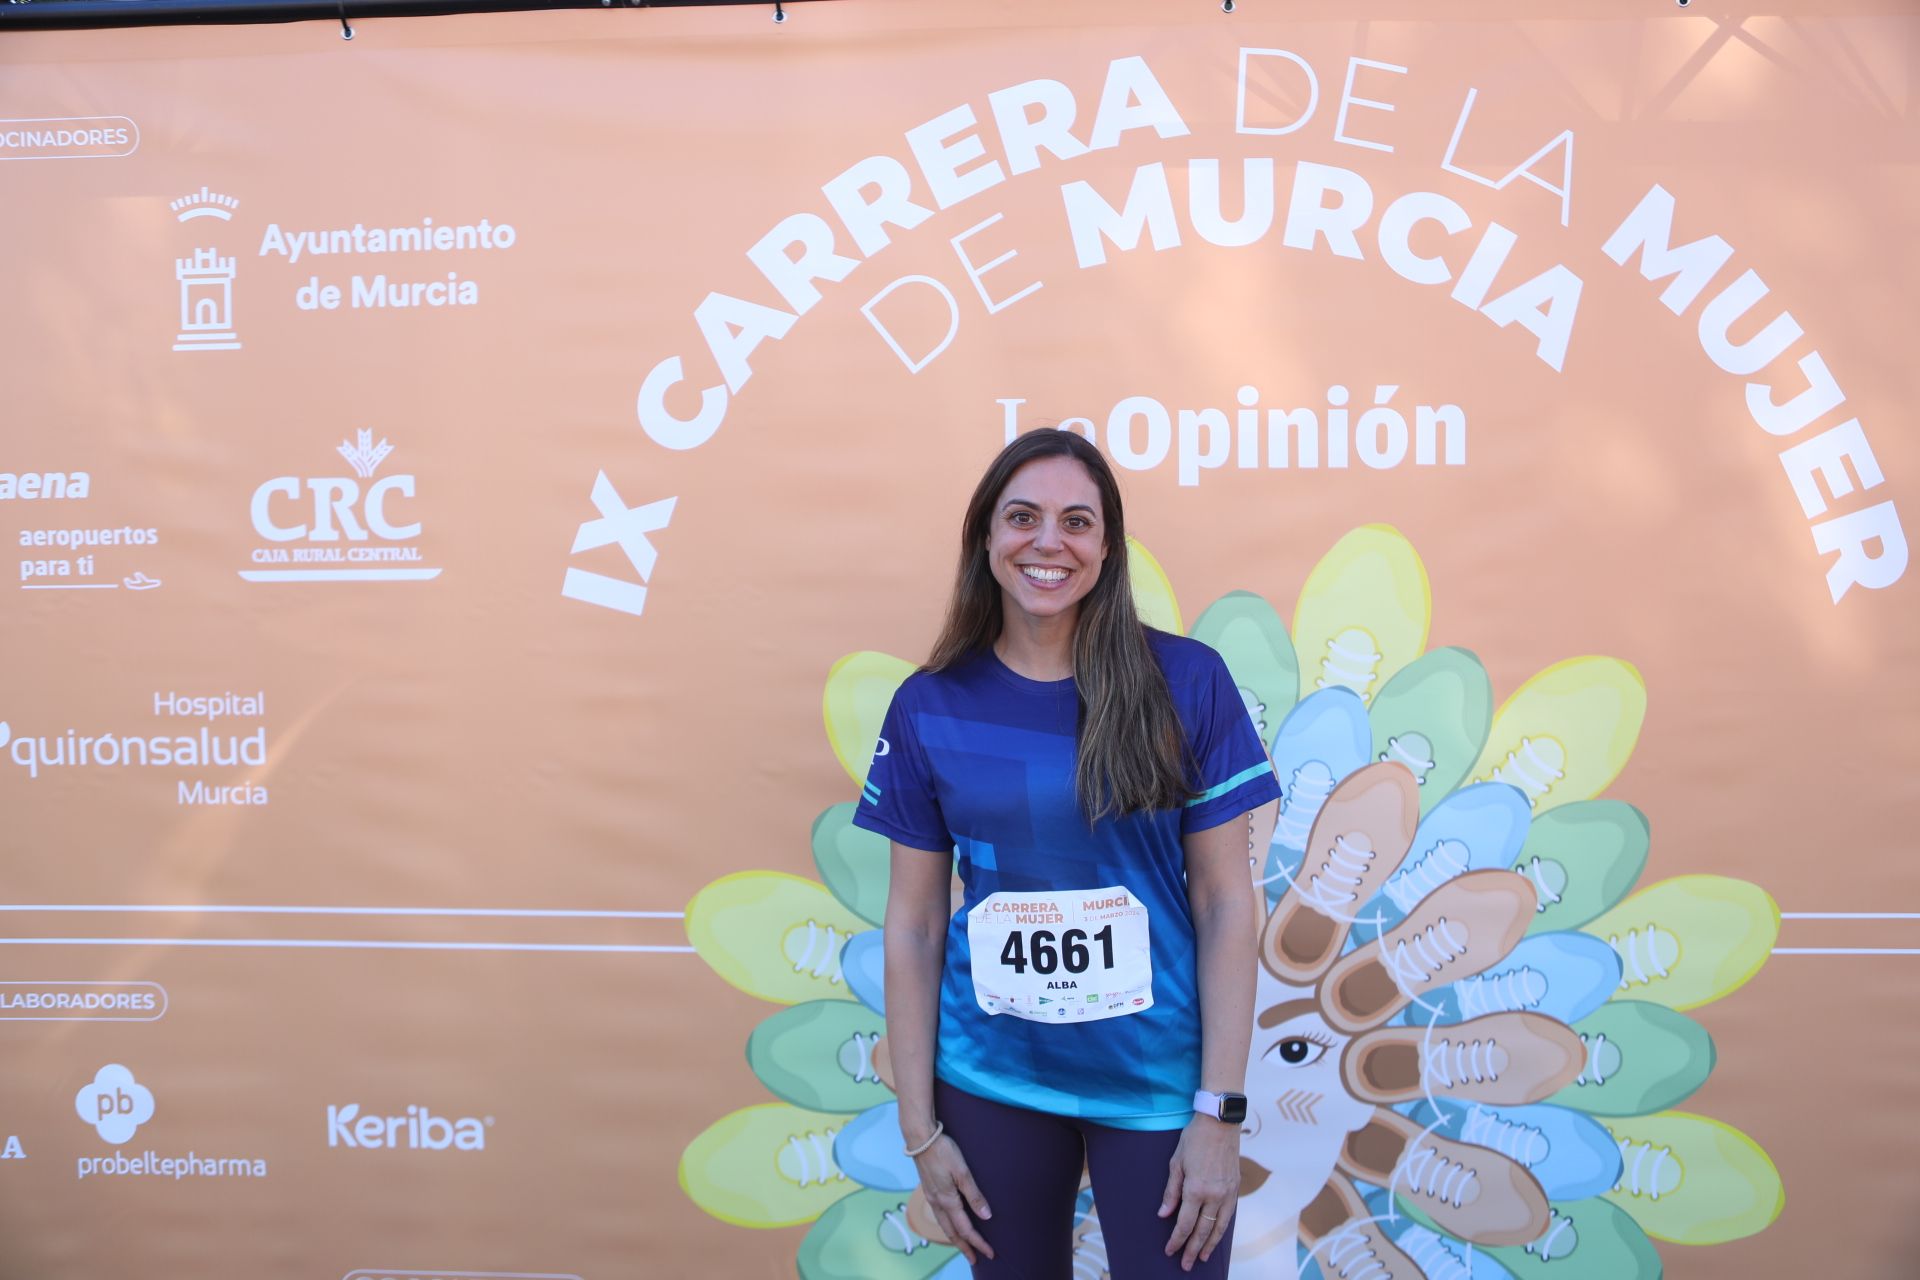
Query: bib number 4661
1038, 948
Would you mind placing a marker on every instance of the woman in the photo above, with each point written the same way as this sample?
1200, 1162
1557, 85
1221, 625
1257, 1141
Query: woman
1093, 1001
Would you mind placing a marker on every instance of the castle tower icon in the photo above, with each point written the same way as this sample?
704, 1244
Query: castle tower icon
206, 302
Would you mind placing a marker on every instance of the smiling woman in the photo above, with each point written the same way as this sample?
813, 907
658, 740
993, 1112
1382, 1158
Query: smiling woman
1091, 1002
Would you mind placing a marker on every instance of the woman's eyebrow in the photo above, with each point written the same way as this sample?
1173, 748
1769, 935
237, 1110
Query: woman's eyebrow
1028, 502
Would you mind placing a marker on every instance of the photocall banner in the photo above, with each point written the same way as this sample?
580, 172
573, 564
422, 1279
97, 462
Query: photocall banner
469, 493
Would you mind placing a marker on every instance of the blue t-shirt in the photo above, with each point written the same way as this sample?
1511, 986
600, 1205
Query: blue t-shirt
980, 759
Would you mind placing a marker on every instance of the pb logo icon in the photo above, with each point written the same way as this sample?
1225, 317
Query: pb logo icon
115, 1104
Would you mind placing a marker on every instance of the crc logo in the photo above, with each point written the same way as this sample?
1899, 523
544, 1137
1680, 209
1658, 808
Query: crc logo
338, 528
115, 1104
336, 498
417, 1129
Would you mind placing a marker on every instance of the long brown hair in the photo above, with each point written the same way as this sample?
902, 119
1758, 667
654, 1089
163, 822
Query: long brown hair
1131, 752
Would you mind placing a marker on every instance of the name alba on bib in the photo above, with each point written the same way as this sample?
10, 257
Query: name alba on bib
1076, 955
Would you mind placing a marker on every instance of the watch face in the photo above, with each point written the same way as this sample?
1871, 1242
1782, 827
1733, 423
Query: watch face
1233, 1108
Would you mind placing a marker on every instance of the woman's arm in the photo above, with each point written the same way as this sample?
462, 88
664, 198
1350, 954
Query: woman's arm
1203, 1185
916, 947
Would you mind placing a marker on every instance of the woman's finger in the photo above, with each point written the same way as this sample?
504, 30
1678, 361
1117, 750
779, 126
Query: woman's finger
1183, 1225
970, 1191
1206, 1218
1225, 1212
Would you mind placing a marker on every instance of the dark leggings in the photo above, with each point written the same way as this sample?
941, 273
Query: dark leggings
1027, 1165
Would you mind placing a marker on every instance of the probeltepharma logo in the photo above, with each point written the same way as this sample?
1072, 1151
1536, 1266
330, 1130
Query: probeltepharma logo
218, 742
339, 528
415, 1129
114, 1104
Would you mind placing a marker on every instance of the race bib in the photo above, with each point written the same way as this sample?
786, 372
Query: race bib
1072, 956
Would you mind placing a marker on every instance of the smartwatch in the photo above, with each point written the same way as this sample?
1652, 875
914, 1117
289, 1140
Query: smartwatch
1228, 1108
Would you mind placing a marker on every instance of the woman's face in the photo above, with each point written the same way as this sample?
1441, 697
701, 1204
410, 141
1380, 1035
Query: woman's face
1046, 539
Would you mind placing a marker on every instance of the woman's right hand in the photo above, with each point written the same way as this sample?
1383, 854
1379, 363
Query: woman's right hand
950, 1191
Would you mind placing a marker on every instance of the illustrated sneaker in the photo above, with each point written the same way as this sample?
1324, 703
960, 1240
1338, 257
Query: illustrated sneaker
1563, 975
769, 1165
866, 1236
820, 1055
863, 963
1584, 1238
1477, 828
868, 1151
1358, 839
853, 864
1688, 941
1467, 924
1342, 1238
1323, 739
1363, 611
1637, 1058
1570, 1154
1582, 859
1245, 631
1472, 1192
1089, 1242
859, 690
774, 936
1433, 716
1507, 1058
1567, 732
1693, 1180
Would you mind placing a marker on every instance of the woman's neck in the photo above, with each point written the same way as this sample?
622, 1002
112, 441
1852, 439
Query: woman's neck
1038, 648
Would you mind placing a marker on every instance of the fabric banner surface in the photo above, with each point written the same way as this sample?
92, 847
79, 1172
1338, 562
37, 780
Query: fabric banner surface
471, 491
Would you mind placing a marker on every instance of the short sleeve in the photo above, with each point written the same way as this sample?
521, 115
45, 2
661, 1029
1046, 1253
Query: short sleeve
898, 799
1234, 772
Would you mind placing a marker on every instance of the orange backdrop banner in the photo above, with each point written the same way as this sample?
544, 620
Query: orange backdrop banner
471, 491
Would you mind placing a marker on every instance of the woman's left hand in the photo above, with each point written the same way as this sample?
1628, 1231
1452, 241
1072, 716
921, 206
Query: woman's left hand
1203, 1187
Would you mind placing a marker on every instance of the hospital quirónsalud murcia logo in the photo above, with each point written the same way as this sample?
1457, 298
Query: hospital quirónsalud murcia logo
114, 1103
339, 528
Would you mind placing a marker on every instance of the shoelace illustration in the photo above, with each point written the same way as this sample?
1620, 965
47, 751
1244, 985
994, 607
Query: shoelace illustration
896, 1236
1521, 1143
856, 1056
1421, 877
1414, 961
1642, 1167
1431, 1174
1557, 1241
1530, 769
1351, 1254
1640, 953
1312, 784
1536, 871
812, 1158
828, 939
1434, 1255
1337, 882
1592, 1071
1349, 662
1451, 1062
1521, 988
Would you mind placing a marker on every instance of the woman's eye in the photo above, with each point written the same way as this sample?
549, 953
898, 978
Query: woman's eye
1298, 1051
1021, 518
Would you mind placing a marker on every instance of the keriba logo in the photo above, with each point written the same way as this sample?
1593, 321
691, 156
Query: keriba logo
114, 1103
417, 1129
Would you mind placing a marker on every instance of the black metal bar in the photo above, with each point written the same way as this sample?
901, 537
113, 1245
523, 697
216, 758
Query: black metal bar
70, 14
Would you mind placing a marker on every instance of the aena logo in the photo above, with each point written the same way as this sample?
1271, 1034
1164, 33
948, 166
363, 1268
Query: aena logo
418, 1129
115, 1104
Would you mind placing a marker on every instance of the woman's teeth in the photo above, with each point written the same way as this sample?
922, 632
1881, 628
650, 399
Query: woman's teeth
1043, 575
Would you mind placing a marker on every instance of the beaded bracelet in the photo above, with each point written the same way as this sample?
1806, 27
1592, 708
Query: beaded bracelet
939, 1127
